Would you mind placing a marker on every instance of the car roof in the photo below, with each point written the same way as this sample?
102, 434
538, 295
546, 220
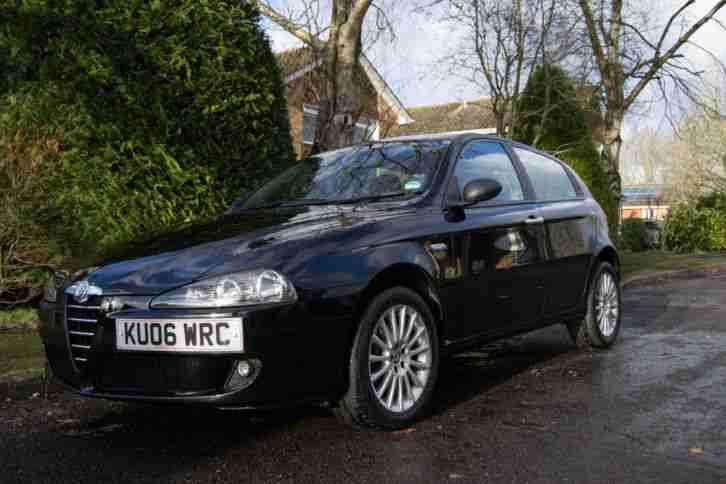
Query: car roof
450, 136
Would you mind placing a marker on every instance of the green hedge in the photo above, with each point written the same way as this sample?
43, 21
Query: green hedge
633, 235
130, 116
693, 227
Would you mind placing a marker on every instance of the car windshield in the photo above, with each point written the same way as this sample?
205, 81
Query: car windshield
370, 172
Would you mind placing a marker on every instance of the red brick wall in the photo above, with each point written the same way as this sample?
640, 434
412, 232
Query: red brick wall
660, 212
305, 91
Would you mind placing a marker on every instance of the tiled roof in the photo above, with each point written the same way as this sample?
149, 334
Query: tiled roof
457, 116
637, 194
292, 60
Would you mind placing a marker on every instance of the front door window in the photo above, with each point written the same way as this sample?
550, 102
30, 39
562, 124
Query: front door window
483, 159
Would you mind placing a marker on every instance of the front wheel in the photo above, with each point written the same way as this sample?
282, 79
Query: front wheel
601, 325
394, 362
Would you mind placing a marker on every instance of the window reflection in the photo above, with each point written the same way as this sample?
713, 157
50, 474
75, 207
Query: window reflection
362, 171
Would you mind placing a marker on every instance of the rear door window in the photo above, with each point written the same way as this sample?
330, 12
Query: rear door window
549, 178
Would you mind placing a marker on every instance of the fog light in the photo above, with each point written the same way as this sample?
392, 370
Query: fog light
245, 374
244, 369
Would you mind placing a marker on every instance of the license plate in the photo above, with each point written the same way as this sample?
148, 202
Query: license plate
221, 335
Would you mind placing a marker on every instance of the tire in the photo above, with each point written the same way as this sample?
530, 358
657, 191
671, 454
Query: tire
589, 333
405, 398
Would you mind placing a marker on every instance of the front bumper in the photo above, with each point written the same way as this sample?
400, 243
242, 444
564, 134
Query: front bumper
302, 354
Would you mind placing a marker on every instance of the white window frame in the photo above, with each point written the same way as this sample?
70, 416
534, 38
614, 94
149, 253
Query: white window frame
308, 111
372, 126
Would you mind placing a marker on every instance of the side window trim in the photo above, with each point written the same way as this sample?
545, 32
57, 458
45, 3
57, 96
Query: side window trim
527, 191
527, 186
575, 182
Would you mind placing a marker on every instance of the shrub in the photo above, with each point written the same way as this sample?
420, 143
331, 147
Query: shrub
715, 200
26, 251
690, 228
132, 116
633, 236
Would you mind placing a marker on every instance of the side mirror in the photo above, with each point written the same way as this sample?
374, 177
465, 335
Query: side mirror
480, 190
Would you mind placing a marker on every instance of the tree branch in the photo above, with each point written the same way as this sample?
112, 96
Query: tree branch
359, 11
660, 61
293, 28
594, 38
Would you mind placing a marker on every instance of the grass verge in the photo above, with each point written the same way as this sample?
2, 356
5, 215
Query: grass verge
21, 355
654, 261
23, 319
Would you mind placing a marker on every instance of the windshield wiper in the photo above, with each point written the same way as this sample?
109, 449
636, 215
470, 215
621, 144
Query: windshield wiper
376, 198
306, 201
323, 201
290, 203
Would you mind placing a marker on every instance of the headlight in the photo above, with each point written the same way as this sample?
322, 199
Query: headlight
50, 293
241, 289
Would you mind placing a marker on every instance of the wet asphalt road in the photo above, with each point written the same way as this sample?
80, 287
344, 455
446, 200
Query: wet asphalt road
530, 409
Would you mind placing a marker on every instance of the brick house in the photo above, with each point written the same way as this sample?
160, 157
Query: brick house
647, 202
302, 76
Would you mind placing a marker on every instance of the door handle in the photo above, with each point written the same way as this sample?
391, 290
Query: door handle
534, 220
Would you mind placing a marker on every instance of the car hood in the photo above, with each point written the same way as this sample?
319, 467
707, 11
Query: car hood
252, 239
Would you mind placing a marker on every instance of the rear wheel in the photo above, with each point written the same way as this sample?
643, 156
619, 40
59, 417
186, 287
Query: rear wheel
393, 363
601, 325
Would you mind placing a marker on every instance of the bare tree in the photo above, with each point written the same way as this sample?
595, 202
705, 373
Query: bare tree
337, 41
499, 44
646, 157
629, 57
701, 150
691, 160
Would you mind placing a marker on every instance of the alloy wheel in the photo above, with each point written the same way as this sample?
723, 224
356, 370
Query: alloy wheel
399, 358
607, 304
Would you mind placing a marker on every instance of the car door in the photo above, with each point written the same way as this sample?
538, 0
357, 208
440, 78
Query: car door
568, 222
502, 243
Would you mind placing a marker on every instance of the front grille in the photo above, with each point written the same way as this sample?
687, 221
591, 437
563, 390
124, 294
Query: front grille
81, 324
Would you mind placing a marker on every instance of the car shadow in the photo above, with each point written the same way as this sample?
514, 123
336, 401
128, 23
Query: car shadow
145, 443
474, 373
462, 377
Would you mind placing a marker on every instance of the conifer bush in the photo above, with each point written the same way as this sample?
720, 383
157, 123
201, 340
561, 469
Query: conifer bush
554, 119
130, 116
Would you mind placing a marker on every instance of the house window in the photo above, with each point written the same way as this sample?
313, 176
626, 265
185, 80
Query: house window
310, 124
364, 130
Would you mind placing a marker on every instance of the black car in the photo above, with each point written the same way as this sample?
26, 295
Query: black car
343, 280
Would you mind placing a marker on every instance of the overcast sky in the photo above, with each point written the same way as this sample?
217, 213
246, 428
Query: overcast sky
411, 64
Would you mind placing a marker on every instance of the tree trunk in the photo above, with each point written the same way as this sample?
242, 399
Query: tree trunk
610, 159
501, 124
340, 102
612, 141
341, 99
